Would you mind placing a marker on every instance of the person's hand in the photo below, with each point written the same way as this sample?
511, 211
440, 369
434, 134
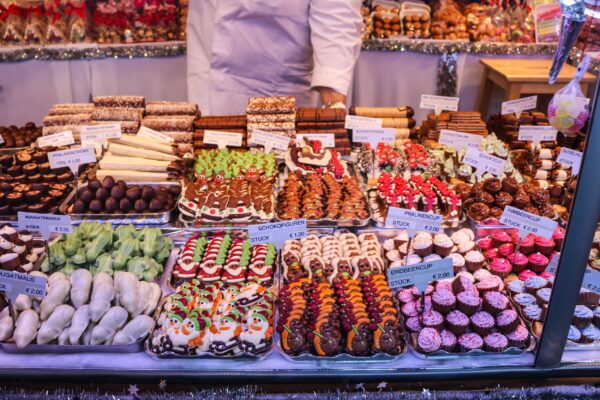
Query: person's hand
330, 96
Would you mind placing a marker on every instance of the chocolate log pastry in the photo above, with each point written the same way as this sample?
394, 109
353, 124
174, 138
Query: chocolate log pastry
262, 118
221, 123
119, 101
71, 108
341, 133
69, 119
383, 112
171, 108
320, 114
272, 126
398, 123
168, 123
117, 114
271, 105
314, 125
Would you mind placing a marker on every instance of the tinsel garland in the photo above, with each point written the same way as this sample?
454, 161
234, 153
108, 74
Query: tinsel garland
253, 392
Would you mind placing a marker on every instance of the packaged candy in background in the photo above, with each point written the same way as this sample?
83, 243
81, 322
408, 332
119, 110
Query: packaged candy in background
522, 26
14, 25
56, 25
569, 108
386, 18
35, 22
448, 22
114, 21
547, 18
77, 20
156, 21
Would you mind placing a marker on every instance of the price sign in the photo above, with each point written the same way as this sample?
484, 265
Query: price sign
439, 103
58, 139
591, 280
374, 136
100, 133
528, 223
327, 139
277, 232
420, 274
15, 283
71, 158
44, 223
484, 162
553, 264
537, 134
519, 105
152, 134
357, 122
570, 158
413, 221
460, 140
223, 139
269, 140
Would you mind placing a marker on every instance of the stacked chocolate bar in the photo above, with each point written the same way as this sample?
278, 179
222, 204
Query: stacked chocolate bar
507, 126
323, 121
461, 121
228, 123
272, 114
399, 118
174, 119
67, 117
126, 110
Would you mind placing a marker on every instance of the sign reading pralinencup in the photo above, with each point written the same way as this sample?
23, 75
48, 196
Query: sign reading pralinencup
413, 220
420, 274
277, 232
527, 223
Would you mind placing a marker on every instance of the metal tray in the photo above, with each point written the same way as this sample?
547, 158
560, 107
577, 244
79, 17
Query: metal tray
72, 349
11, 150
159, 218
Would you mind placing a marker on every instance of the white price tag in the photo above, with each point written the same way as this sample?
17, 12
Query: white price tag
519, 105
44, 223
91, 134
591, 280
570, 158
357, 122
374, 136
537, 134
459, 140
152, 134
553, 264
413, 221
58, 139
439, 103
16, 283
326, 139
420, 274
269, 140
528, 223
223, 139
71, 158
484, 162
277, 232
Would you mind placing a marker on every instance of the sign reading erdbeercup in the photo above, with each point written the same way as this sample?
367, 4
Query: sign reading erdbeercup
420, 274
277, 232
358, 122
528, 223
413, 221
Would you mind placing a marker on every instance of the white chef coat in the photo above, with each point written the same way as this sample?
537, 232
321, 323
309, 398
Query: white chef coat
242, 48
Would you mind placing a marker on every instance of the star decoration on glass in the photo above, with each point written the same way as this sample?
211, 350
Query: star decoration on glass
162, 385
133, 390
426, 393
359, 386
382, 385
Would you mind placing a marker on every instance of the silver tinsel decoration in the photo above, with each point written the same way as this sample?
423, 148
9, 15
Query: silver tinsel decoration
447, 75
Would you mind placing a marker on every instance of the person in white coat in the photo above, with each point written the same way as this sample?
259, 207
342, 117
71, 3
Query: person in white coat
242, 48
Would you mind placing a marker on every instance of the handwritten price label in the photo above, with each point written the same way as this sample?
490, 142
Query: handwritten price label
439, 103
528, 223
591, 280
44, 223
223, 139
58, 139
537, 134
413, 221
71, 158
483, 162
459, 140
374, 136
420, 274
570, 158
326, 139
15, 283
357, 122
91, 134
519, 105
269, 140
152, 134
277, 232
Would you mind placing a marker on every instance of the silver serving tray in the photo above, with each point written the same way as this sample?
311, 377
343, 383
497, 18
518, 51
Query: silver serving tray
137, 219
72, 349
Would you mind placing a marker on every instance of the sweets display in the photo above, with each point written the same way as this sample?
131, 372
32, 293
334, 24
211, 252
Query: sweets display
464, 314
174, 119
308, 156
100, 248
230, 187
449, 23
228, 123
316, 121
215, 318
19, 250
507, 126
399, 118
223, 258
386, 21
272, 114
117, 197
336, 299
84, 310
462, 121
12, 136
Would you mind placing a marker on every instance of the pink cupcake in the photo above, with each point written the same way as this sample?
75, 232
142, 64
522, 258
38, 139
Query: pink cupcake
487, 285
544, 246
433, 319
538, 262
482, 323
449, 341
519, 261
507, 321
443, 301
518, 337
474, 260
492, 253
429, 340
442, 244
526, 274
495, 342
470, 341
468, 302
527, 244
500, 267
559, 237
485, 243
506, 249
500, 237
457, 322
494, 302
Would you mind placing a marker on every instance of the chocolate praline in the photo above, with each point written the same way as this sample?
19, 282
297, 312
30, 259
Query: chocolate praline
59, 186
20, 207
44, 168
15, 170
6, 160
95, 206
531, 210
30, 169
34, 178
503, 199
492, 185
484, 197
32, 196
14, 198
65, 177
49, 178
479, 211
